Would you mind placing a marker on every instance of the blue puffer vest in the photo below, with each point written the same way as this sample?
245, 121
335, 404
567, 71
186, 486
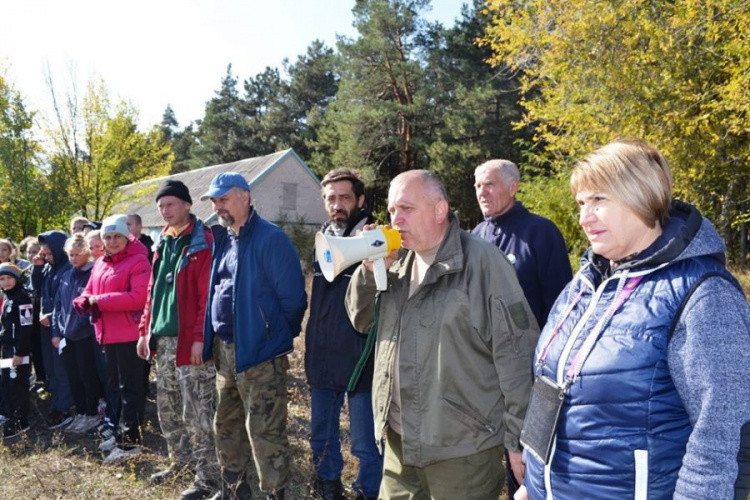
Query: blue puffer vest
623, 428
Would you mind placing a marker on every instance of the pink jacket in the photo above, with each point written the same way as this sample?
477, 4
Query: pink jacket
120, 282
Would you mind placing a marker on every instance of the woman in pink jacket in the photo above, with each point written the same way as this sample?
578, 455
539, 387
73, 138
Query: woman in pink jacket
115, 296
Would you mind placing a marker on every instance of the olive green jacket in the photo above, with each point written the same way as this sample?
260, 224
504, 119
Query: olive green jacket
467, 343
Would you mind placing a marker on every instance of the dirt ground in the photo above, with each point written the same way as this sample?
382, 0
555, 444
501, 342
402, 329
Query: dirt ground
46, 464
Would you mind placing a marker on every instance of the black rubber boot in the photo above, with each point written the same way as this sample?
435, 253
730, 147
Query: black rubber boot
329, 489
200, 490
233, 487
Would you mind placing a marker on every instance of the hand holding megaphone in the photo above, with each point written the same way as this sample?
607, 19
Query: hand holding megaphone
374, 244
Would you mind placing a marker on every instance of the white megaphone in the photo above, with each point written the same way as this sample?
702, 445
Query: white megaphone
336, 253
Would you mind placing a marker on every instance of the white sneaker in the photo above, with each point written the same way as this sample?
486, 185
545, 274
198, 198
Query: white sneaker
108, 445
73, 425
119, 454
88, 422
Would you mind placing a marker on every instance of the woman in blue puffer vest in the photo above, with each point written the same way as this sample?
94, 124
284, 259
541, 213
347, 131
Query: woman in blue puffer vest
648, 346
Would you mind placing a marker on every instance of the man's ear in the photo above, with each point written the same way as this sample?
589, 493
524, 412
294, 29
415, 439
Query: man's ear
441, 211
361, 201
514, 188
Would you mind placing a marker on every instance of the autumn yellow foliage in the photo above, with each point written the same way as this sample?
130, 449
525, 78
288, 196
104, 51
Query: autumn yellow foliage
676, 74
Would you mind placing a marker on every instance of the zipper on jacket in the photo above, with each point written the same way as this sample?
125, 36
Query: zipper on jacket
471, 414
390, 369
266, 322
234, 296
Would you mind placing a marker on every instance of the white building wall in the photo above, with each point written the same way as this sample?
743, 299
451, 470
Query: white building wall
268, 195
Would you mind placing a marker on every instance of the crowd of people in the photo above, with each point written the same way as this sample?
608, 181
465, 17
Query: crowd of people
485, 363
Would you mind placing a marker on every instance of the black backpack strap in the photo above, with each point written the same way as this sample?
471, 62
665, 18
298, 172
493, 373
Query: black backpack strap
693, 288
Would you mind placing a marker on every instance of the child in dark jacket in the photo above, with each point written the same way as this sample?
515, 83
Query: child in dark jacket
77, 333
15, 344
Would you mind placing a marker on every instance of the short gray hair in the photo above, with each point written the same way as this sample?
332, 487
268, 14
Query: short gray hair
433, 185
508, 170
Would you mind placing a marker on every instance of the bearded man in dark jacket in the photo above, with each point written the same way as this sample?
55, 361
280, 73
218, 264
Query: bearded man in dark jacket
332, 349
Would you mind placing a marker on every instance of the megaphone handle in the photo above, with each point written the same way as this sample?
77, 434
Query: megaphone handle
381, 276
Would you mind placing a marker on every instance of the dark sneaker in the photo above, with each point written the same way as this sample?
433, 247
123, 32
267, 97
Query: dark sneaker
200, 490
329, 489
233, 487
169, 473
103, 422
58, 419
107, 431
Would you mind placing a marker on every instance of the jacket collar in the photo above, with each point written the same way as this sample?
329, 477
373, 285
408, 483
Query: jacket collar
247, 227
133, 247
13, 292
356, 224
187, 229
85, 268
516, 209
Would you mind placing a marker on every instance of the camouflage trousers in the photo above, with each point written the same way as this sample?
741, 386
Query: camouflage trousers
251, 414
186, 401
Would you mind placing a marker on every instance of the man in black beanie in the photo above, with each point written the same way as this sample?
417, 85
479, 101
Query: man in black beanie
175, 188
175, 307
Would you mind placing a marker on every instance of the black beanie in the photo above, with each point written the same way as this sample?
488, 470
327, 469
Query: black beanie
174, 188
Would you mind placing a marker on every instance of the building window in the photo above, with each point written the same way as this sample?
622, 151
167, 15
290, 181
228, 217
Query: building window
289, 196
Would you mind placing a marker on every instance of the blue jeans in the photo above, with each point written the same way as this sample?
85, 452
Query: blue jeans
326, 443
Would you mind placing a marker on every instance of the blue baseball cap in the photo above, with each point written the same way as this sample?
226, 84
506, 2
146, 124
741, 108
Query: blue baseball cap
222, 183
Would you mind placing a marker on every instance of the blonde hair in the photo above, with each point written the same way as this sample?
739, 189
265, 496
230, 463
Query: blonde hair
77, 219
95, 233
634, 173
77, 242
13, 256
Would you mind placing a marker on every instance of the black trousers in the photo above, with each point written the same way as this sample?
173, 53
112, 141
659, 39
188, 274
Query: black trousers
36, 346
15, 390
125, 372
80, 364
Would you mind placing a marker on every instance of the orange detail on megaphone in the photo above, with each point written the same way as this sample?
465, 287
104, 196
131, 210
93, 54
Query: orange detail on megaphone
392, 237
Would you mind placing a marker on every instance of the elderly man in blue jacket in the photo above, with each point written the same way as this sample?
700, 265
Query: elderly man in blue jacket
532, 243
255, 307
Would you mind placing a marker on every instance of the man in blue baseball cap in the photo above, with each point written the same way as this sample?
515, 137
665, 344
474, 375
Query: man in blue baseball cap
223, 183
254, 261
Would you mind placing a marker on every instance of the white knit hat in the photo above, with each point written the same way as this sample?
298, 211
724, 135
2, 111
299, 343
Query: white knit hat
117, 223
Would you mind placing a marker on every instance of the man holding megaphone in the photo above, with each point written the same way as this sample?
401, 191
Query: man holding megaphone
333, 346
453, 353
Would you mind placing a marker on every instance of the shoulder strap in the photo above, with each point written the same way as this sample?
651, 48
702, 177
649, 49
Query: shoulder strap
693, 288
359, 368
